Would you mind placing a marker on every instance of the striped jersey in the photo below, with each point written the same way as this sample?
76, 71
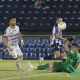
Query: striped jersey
56, 31
12, 35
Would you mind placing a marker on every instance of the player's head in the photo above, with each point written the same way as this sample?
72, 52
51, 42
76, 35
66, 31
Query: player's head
12, 20
58, 20
74, 47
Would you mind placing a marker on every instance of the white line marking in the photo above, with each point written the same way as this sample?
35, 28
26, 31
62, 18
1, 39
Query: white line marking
28, 76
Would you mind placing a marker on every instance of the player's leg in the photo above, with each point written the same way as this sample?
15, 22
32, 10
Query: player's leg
55, 67
63, 54
56, 50
19, 57
57, 54
14, 55
43, 67
41, 59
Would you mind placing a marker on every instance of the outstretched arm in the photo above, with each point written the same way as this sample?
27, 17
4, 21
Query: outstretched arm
66, 45
20, 36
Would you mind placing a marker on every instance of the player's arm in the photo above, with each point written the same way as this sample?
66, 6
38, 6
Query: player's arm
78, 60
59, 37
5, 38
20, 36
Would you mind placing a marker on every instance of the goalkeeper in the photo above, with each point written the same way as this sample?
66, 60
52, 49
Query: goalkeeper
69, 65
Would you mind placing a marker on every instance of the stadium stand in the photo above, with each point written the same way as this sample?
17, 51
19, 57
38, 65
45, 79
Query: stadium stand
29, 18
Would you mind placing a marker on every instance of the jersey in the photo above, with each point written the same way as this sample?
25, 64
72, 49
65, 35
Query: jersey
56, 31
12, 35
72, 61
57, 43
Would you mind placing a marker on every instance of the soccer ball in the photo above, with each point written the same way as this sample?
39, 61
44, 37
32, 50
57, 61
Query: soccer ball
62, 26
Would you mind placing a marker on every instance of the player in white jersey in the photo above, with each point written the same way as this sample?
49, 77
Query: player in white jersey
10, 38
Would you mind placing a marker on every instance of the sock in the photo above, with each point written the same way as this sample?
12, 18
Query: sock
42, 67
18, 64
41, 60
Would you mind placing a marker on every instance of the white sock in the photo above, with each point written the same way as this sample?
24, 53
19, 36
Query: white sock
41, 60
18, 64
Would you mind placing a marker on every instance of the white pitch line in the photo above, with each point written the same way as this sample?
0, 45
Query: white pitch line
27, 76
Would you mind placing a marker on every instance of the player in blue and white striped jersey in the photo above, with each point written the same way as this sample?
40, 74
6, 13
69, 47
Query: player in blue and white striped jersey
57, 40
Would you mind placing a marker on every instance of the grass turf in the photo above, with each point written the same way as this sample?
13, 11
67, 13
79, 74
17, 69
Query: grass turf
8, 71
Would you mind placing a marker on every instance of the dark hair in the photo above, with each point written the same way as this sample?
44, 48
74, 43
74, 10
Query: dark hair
57, 18
11, 17
74, 44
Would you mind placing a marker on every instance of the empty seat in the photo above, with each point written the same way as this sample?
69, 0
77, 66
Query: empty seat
28, 43
1, 44
78, 42
49, 51
0, 55
37, 43
25, 55
41, 55
37, 18
24, 50
45, 43
7, 56
32, 50
33, 56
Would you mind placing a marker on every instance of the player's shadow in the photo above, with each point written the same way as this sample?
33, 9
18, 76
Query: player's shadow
8, 70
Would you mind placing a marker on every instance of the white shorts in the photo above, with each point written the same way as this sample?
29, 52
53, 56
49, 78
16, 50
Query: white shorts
15, 52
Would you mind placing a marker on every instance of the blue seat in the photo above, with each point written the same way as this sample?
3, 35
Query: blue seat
32, 50
42, 55
37, 43
40, 50
78, 42
37, 49
24, 49
33, 56
1, 44
0, 55
44, 50
28, 50
45, 43
25, 55
49, 51
7, 56
28, 43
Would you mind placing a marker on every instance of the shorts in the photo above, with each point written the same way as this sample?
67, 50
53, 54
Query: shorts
16, 51
58, 47
58, 66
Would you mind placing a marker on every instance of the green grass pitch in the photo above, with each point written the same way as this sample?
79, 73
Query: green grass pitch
8, 71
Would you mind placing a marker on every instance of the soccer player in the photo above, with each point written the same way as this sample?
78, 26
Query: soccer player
69, 65
10, 38
57, 40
